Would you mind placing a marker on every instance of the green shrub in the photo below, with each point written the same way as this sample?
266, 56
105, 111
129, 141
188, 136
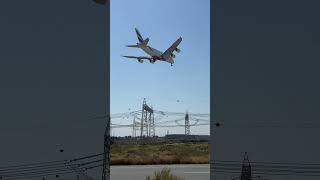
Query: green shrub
164, 174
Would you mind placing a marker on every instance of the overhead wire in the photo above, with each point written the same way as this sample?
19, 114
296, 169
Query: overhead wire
270, 168
32, 170
49, 168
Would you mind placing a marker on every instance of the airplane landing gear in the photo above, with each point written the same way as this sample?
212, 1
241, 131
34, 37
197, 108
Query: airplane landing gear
171, 64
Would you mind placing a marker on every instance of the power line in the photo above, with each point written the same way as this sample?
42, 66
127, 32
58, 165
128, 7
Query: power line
299, 169
58, 170
86, 157
39, 175
260, 162
48, 162
42, 169
45, 168
263, 173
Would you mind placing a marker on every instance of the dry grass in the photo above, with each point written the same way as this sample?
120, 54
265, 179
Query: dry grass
160, 154
164, 174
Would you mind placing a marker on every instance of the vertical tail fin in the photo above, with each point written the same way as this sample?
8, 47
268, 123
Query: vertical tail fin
139, 35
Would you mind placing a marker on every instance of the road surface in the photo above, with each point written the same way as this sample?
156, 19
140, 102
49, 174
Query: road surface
189, 172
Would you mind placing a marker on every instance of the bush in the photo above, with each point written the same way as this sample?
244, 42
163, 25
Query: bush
164, 174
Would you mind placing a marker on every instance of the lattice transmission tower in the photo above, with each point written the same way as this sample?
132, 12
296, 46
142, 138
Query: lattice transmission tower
151, 124
246, 168
147, 121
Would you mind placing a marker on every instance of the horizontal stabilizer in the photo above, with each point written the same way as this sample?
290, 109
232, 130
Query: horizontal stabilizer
132, 46
138, 57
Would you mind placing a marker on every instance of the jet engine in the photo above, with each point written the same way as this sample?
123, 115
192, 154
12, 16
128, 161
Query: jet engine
140, 60
178, 50
173, 56
152, 61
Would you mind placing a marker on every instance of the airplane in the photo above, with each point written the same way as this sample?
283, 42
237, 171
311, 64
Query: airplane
154, 54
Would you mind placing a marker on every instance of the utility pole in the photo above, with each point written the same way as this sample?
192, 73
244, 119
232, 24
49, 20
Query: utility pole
142, 118
149, 124
153, 127
107, 139
106, 154
187, 124
134, 129
133, 124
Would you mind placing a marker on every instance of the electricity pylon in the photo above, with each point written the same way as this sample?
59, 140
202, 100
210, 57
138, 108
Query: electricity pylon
147, 120
187, 124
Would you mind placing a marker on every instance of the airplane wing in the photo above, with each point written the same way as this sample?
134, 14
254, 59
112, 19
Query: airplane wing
138, 57
173, 47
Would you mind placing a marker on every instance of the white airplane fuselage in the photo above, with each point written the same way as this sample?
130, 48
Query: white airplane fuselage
154, 53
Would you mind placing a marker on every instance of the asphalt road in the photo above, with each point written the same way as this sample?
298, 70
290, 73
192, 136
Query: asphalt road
189, 172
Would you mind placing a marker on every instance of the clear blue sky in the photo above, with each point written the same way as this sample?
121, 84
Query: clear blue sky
163, 21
